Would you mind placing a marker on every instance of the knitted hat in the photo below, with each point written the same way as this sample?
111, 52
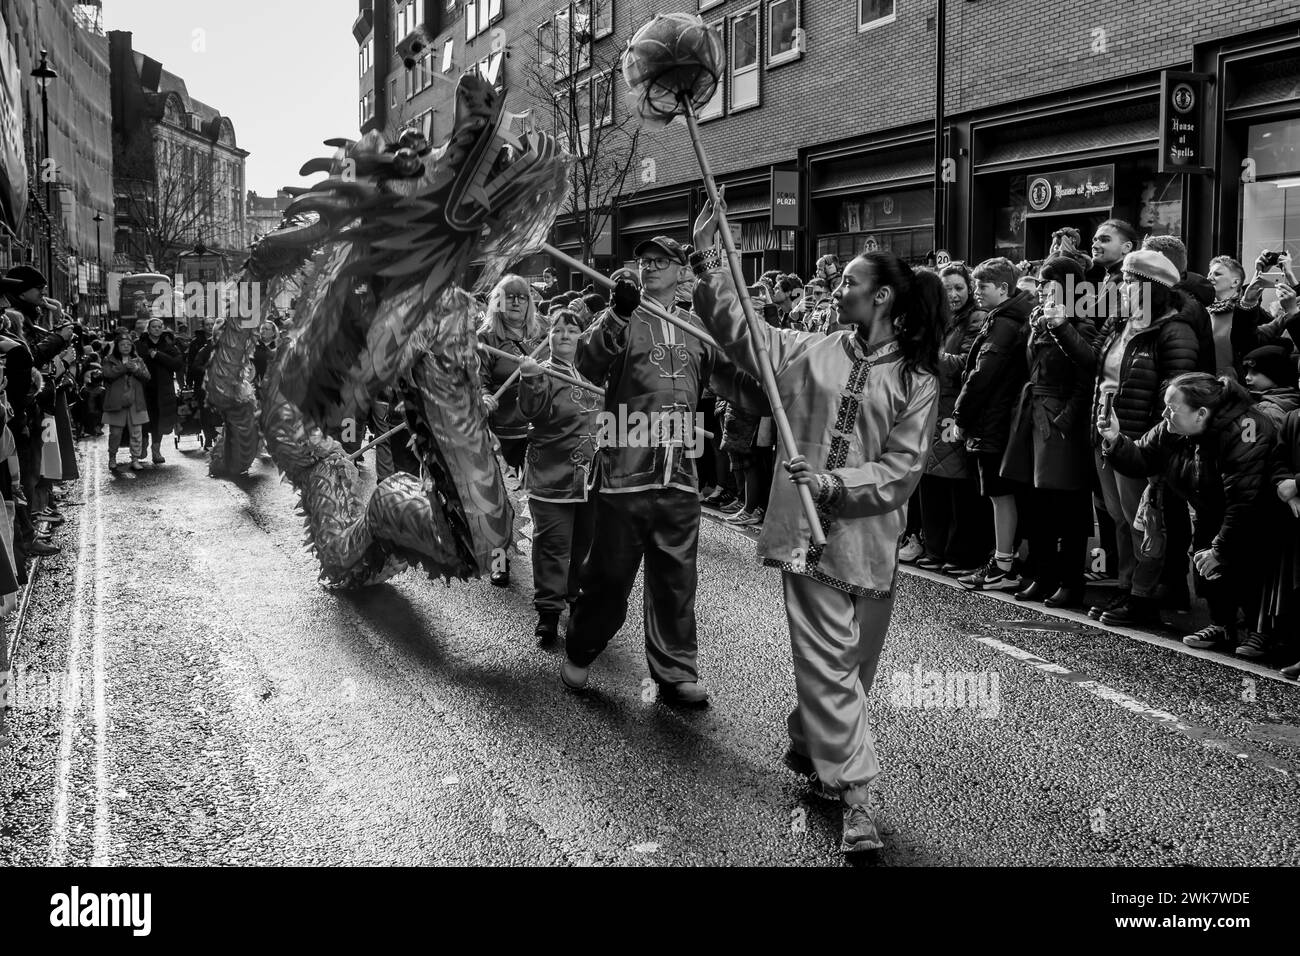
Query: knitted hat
1152, 265
1275, 362
595, 303
21, 278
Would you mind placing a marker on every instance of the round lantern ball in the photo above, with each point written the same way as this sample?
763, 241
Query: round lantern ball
672, 59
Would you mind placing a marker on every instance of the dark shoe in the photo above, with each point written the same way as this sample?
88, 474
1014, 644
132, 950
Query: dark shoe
501, 579
930, 563
993, 577
547, 631
1293, 671
718, 499
797, 762
1254, 646
1097, 610
1136, 612
1174, 597
41, 549
687, 694
1065, 597
1037, 591
1214, 637
860, 833
732, 506
959, 570
573, 677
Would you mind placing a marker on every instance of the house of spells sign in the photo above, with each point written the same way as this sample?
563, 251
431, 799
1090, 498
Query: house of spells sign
1182, 123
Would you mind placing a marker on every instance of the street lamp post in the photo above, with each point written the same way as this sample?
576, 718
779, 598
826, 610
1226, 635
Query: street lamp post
940, 205
99, 264
44, 73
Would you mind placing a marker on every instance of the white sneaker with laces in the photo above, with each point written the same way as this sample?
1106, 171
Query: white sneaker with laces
911, 550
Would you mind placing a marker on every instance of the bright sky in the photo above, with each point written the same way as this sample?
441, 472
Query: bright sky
283, 71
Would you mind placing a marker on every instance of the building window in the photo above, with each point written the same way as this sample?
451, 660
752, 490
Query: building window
874, 13
392, 93
709, 4
479, 15
582, 117
744, 60
563, 49
602, 98
490, 69
366, 57
546, 38
782, 26
446, 57
714, 107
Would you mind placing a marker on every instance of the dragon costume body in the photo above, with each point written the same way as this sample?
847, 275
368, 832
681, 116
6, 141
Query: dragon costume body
383, 242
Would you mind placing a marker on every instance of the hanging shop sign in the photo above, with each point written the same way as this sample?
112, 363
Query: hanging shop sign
785, 199
1089, 188
1183, 127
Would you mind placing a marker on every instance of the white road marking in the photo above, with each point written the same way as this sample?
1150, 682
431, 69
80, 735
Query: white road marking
100, 857
1206, 737
71, 691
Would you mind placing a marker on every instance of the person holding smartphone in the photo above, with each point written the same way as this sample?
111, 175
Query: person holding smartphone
1048, 449
1145, 345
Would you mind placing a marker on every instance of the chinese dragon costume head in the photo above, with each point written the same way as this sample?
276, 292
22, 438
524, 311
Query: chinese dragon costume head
380, 246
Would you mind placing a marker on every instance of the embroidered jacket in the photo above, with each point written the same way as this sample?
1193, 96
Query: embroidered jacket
650, 368
852, 417
562, 432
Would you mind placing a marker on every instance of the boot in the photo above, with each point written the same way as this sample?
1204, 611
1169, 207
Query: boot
548, 628
1071, 597
1036, 591
1138, 612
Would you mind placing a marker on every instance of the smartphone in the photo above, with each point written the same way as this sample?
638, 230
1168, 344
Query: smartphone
1107, 405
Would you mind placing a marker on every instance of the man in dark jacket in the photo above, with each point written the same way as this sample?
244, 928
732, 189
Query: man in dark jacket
996, 370
648, 506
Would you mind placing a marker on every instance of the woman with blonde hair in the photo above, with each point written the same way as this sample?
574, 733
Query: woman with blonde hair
511, 324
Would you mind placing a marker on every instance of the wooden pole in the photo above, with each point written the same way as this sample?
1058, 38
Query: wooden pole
382, 438
756, 333
650, 305
514, 376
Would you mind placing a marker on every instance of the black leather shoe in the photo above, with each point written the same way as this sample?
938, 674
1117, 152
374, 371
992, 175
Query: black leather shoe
1292, 671
1037, 591
1097, 610
1136, 612
687, 694
1065, 597
548, 628
501, 578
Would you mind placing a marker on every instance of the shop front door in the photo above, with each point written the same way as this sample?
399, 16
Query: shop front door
1039, 229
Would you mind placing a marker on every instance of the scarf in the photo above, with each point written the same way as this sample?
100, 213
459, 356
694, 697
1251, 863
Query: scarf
1220, 306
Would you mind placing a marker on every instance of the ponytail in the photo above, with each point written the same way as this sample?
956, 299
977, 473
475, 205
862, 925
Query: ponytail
921, 308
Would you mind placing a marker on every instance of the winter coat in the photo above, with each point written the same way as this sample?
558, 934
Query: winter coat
1154, 355
1276, 403
1282, 592
507, 421
1049, 446
1198, 294
1222, 472
948, 458
165, 362
125, 385
195, 368
994, 373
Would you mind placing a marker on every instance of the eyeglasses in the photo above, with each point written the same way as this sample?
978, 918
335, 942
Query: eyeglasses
515, 296
654, 263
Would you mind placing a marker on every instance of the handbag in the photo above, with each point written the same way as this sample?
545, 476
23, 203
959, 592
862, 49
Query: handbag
51, 460
1150, 521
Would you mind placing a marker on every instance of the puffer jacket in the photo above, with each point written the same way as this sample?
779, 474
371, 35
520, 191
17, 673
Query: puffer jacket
1155, 355
1223, 472
1276, 403
994, 373
948, 458
1198, 295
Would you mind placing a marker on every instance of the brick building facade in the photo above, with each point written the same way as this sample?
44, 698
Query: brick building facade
1042, 100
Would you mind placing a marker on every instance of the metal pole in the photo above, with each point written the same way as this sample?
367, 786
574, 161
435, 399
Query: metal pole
766, 373
46, 174
940, 207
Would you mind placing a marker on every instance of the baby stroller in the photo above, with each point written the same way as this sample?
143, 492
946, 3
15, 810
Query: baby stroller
189, 416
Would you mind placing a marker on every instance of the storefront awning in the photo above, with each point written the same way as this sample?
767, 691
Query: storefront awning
645, 219
835, 179
1264, 84
1001, 152
748, 207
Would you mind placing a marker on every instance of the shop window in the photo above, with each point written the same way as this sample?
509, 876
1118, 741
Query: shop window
744, 60
782, 31
874, 13
714, 107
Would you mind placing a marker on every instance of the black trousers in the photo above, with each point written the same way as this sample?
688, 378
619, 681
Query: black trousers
1240, 584
1058, 535
957, 520
1178, 538
663, 528
561, 537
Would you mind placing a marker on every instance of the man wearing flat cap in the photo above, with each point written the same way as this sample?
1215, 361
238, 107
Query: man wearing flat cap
649, 506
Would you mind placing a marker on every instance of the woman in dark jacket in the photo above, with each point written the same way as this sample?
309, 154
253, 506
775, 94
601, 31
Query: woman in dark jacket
956, 522
1142, 350
1049, 447
1214, 448
164, 360
125, 404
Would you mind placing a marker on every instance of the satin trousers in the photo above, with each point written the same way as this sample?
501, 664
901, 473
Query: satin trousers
561, 538
661, 527
835, 639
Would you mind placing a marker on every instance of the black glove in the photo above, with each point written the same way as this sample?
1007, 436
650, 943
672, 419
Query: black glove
626, 299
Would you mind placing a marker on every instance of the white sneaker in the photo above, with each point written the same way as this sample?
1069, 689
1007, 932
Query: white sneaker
755, 517
740, 517
912, 549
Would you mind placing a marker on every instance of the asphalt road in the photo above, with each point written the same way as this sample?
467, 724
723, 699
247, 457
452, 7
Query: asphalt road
232, 711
